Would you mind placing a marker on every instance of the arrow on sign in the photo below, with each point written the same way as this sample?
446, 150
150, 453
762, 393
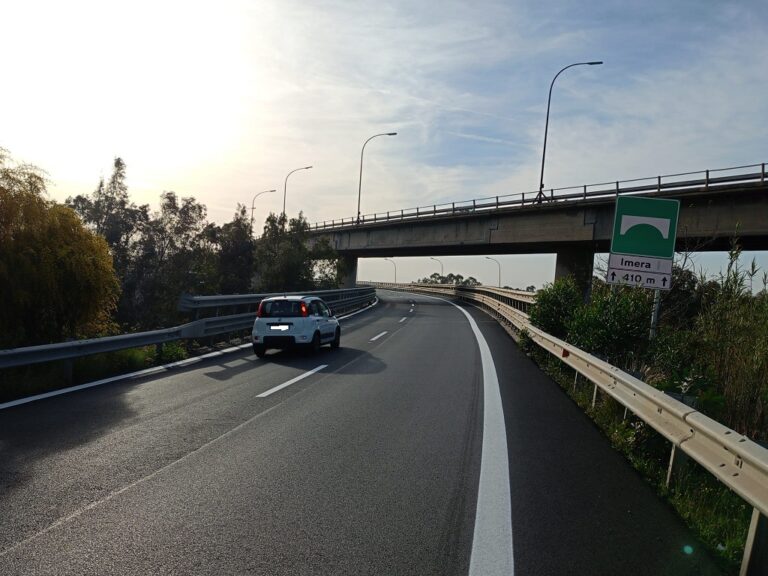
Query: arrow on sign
613, 275
664, 281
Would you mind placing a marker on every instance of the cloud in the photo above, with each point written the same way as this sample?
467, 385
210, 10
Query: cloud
221, 104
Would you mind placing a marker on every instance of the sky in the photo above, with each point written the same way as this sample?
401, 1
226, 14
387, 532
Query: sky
220, 100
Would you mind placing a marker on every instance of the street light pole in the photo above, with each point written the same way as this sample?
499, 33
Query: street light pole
439, 262
498, 264
254, 200
395, 265
360, 182
540, 195
285, 186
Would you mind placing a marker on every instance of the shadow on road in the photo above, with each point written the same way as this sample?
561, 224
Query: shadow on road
31, 432
340, 361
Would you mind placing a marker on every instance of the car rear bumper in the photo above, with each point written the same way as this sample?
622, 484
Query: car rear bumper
278, 341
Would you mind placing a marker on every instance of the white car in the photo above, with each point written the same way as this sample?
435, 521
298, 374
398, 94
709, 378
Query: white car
288, 321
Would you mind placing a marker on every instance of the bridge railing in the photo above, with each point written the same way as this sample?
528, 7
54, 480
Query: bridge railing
732, 458
685, 181
518, 299
339, 301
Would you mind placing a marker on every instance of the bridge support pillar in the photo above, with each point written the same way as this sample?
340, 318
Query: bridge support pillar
576, 262
350, 271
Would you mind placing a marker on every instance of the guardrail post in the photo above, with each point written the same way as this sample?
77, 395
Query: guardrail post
706, 179
522, 202
585, 191
676, 463
497, 202
617, 188
594, 396
551, 194
658, 184
575, 380
762, 173
755, 559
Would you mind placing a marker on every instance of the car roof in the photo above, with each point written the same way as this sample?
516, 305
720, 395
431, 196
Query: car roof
290, 298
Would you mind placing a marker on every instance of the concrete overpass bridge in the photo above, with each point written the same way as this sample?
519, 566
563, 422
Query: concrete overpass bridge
573, 223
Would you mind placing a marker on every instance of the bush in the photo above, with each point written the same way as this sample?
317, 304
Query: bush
614, 325
555, 306
172, 352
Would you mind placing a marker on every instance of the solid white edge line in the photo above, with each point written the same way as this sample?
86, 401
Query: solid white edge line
403, 319
492, 541
355, 313
146, 372
378, 336
291, 381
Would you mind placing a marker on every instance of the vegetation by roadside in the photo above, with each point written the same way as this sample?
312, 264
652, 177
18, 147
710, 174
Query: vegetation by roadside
711, 346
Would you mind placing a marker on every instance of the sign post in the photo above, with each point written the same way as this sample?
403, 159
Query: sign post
643, 242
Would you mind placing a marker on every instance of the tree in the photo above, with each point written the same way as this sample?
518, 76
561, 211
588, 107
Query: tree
56, 277
286, 262
175, 253
453, 279
236, 254
109, 212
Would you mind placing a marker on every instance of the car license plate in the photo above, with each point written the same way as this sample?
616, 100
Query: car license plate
280, 327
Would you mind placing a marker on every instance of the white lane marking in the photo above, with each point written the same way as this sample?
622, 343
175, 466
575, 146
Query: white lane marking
291, 381
114, 493
129, 376
492, 541
403, 319
378, 336
375, 302
147, 372
411, 310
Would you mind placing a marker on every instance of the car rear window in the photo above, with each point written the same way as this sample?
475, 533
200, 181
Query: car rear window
281, 308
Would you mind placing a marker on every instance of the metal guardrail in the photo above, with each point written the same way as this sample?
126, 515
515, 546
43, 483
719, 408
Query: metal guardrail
570, 194
732, 458
344, 300
331, 297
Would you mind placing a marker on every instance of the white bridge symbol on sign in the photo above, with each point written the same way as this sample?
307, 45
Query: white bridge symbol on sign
628, 222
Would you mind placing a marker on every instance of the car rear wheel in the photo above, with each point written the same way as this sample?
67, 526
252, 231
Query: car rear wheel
315, 346
259, 350
336, 339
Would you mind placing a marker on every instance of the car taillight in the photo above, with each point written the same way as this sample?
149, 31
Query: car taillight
260, 312
304, 311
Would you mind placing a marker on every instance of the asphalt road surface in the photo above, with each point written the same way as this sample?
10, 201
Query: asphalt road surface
427, 444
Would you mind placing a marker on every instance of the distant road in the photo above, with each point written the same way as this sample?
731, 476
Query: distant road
365, 460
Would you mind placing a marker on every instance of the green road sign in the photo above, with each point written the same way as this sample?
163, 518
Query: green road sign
645, 226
